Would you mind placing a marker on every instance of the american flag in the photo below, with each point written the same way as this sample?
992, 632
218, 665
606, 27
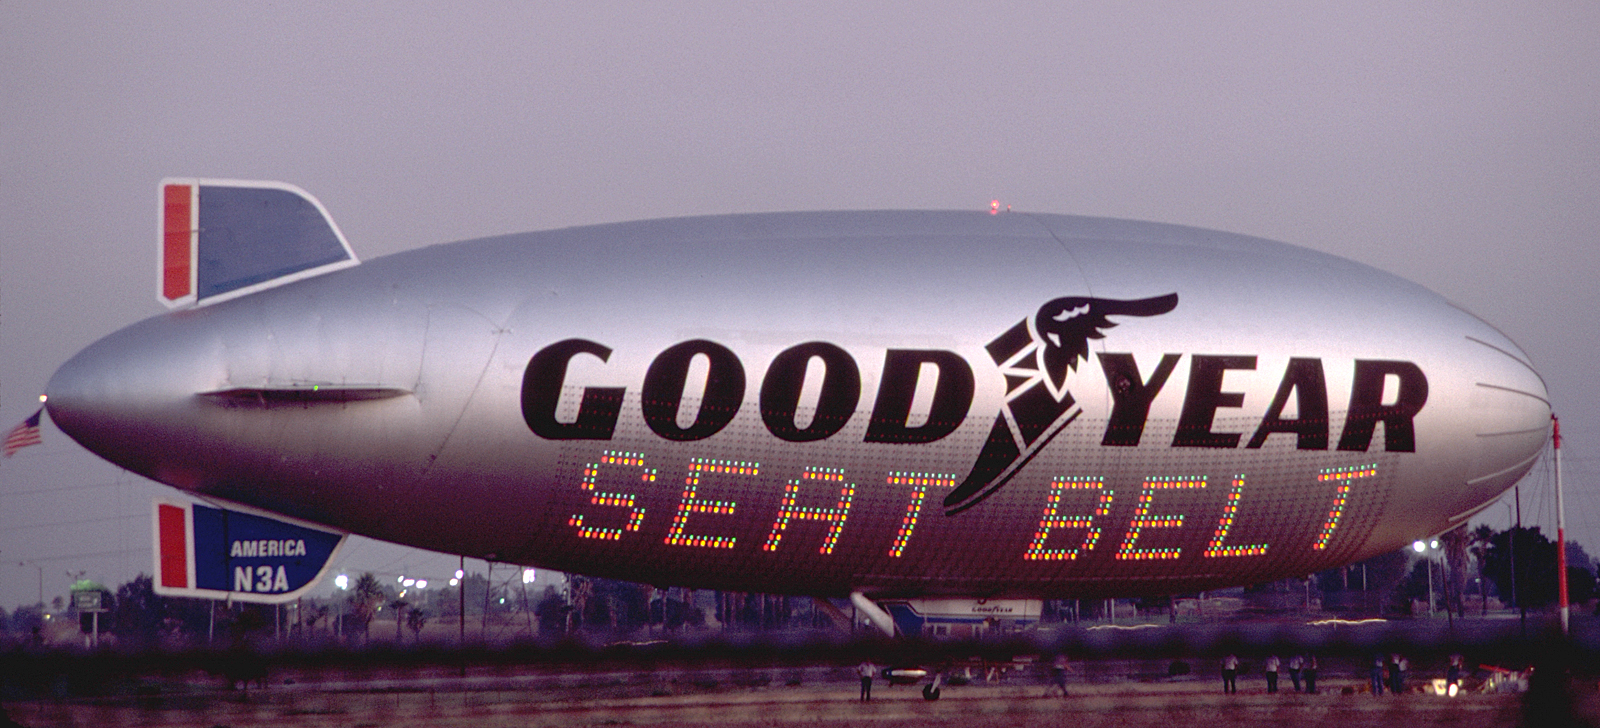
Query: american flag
23, 435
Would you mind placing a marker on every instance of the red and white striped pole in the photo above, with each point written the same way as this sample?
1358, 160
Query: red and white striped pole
1561, 530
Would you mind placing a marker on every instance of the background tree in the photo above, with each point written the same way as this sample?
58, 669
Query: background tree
139, 614
582, 592
311, 614
676, 613
552, 611
477, 591
186, 616
28, 621
364, 601
416, 619
1580, 575
399, 607
1478, 545
249, 623
1580, 585
445, 602
1416, 587
1384, 575
1576, 556
620, 605
1455, 543
1536, 565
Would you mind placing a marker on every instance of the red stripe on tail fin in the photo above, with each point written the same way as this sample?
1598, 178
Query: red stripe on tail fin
174, 557
177, 230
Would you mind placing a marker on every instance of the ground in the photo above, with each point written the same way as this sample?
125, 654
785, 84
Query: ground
822, 696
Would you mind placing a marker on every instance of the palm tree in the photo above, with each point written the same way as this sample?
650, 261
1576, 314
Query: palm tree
416, 620
313, 614
1455, 551
1478, 544
399, 606
582, 590
364, 602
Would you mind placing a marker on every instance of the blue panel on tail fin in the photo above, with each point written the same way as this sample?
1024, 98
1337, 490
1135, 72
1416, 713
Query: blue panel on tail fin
253, 234
260, 555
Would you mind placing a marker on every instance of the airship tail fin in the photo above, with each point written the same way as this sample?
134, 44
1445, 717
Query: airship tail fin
229, 551
222, 239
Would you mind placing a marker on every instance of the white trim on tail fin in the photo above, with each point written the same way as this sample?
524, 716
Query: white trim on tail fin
220, 238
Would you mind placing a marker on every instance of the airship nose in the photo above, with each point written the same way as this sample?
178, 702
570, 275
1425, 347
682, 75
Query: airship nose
126, 396
1508, 410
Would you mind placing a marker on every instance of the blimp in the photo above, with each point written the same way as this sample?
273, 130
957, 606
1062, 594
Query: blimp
867, 404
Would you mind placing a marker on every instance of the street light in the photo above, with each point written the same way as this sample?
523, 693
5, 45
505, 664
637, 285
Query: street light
1423, 548
1434, 546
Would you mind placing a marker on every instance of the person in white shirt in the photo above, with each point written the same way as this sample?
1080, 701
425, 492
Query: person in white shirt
1230, 674
866, 670
1058, 673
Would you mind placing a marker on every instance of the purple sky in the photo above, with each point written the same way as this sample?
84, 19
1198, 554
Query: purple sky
1456, 144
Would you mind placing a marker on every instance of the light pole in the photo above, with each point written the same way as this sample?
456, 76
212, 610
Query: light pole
1522, 611
1427, 550
40, 567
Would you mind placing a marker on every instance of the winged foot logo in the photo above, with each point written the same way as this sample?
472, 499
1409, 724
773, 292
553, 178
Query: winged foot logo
1036, 356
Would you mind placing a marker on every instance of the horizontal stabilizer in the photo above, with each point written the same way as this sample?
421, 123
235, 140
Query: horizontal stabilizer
233, 553
222, 239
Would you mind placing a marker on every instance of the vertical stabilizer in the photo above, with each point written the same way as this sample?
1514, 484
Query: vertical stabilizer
238, 553
222, 239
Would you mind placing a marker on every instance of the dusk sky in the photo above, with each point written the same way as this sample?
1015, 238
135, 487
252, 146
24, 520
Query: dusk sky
1456, 144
